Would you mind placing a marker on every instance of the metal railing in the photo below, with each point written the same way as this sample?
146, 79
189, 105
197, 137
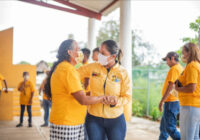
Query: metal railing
147, 86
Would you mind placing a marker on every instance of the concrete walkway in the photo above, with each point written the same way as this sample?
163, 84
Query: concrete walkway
8, 131
138, 129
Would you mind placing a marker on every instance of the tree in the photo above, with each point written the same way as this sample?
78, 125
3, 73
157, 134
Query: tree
143, 53
109, 30
140, 48
24, 63
195, 26
71, 36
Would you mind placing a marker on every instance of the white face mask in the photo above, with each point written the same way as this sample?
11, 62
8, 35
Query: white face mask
102, 59
26, 77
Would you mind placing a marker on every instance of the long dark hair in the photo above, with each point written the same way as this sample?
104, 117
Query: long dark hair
113, 48
61, 56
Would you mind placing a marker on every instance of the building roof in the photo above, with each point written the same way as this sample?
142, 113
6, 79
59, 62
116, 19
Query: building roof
89, 8
42, 66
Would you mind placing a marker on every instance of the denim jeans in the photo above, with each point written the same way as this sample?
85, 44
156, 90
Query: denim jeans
98, 128
168, 122
189, 123
29, 113
46, 106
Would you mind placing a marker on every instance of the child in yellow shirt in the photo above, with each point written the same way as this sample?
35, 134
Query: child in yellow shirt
26, 96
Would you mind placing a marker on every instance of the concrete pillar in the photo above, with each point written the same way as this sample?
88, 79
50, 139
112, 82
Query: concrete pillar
125, 34
92, 33
125, 44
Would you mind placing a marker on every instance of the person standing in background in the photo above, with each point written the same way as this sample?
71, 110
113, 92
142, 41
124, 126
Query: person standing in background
46, 103
2, 79
95, 54
169, 102
86, 53
85, 82
26, 96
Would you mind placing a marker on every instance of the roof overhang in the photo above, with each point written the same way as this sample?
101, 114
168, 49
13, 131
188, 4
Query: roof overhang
88, 8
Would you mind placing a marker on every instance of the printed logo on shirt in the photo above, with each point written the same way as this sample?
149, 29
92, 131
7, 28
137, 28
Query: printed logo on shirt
95, 74
115, 78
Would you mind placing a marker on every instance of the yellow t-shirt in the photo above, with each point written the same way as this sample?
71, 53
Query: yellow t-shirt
191, 75
173, 74
42, 87
86, 63
83, 81
25, 95
1, 80
115, 83
66, 110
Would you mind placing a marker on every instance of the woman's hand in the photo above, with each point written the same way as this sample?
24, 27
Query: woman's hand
110, 100
87, 100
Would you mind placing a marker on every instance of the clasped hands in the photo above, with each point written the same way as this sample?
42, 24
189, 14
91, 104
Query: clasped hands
110, 100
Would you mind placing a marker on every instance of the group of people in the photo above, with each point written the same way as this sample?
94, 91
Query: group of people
182, 85
87, 99
26, 90
100, 112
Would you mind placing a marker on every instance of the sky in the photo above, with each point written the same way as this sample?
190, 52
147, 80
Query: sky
39, 30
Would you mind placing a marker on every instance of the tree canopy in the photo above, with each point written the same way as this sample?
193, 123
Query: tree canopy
142, 52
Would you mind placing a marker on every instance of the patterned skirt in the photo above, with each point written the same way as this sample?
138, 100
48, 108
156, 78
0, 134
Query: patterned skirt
66, 132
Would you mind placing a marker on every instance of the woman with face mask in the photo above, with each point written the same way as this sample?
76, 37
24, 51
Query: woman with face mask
107, 77
188, 88
63, 86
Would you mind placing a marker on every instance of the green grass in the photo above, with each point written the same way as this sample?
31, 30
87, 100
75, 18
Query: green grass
140, 90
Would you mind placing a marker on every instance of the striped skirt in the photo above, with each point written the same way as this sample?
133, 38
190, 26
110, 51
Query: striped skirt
66, 132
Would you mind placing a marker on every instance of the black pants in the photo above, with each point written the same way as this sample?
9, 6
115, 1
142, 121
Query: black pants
29, 113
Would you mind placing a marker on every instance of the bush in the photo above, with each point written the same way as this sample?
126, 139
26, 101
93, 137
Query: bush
137, 108
143, 84
155, 114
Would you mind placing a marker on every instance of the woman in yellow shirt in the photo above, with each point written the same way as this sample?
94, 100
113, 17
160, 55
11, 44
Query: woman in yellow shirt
63, 86
26, 96
189, 93
108, 78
